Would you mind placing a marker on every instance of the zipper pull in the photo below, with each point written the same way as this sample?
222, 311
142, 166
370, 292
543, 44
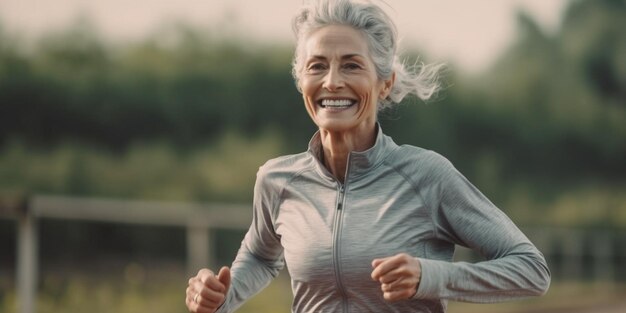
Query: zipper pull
340, 203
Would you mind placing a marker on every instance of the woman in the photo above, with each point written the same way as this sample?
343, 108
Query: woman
363, 224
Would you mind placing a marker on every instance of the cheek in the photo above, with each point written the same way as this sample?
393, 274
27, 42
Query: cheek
307, 87
308, 102
365, 87
307, 97
368, 94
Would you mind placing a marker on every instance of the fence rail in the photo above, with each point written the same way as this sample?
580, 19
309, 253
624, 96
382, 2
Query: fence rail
570, 252
197, 220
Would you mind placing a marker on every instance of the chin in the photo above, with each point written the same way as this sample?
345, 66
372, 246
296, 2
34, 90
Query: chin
335, 126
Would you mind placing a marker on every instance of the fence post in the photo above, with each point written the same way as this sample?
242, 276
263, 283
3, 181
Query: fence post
198, 248
603, 257
573, 255
27, 242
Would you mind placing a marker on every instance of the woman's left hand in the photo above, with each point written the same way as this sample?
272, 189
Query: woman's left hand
399, 276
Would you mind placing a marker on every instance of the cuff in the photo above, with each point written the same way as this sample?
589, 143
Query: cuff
434, 277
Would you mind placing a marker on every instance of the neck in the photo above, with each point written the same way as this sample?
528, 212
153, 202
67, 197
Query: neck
338, 145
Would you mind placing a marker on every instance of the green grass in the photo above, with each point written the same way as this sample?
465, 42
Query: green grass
127, 288
160, 288
562, 297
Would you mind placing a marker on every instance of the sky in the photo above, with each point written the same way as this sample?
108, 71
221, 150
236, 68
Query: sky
470, 34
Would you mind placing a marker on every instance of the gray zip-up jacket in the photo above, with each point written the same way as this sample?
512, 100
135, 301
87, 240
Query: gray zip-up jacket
394, 199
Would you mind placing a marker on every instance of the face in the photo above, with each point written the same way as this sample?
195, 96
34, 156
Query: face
338, 80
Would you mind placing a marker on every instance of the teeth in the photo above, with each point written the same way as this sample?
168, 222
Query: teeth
336, 103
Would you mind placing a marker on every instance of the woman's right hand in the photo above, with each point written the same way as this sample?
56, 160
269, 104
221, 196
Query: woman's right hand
206, 291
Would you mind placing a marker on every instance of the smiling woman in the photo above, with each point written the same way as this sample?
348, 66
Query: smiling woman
341, 91
363, 224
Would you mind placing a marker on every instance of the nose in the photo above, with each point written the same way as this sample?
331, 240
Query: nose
333, 80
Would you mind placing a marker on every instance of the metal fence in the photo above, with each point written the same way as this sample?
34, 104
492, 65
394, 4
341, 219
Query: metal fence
572, 254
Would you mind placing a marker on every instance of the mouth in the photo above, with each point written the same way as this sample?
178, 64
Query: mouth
336, 103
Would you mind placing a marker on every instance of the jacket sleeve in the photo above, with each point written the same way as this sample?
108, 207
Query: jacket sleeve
461, 214
260, 257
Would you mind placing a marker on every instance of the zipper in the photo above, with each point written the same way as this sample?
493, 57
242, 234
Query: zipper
336, 243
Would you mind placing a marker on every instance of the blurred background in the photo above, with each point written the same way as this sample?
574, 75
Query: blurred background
159, 104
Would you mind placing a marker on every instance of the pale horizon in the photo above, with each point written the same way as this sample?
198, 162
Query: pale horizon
470, 35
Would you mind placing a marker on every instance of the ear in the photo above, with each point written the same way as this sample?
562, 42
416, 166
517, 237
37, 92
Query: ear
387, 86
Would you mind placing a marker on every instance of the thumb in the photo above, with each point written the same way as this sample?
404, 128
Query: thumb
224, 277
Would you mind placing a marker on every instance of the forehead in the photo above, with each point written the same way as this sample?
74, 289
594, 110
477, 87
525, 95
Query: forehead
336, 40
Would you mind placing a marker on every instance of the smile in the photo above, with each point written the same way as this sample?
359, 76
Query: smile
336, 104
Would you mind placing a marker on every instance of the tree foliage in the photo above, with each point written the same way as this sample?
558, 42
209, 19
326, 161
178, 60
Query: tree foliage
551, 111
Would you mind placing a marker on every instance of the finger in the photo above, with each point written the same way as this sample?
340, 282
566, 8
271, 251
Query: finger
195, 307
224, 277
376, 271
390, 287
191, 292
210, 297
204, 274
205, 301
388, 264
409, 270
398, 295
377, 262
212, 303
214, 284
208, 287
194, 282
400, 284
188, 300
392, 275
206, 296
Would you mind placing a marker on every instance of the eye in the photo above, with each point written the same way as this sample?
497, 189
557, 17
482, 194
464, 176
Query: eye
316, 67
352, 66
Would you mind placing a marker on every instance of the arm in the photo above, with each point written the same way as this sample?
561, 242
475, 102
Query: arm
464, 216
250, 274
260, 257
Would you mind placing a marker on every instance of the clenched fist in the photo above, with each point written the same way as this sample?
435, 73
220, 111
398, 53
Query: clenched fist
398, 275
206, 291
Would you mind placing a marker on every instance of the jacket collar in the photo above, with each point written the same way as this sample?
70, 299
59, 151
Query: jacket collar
359, 162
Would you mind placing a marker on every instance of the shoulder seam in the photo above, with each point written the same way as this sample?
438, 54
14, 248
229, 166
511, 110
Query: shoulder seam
282, 189
419, 193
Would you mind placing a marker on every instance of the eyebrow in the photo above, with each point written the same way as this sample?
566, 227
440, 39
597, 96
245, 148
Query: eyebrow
343, 57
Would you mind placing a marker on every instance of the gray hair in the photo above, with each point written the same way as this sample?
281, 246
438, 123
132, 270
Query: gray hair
381, 34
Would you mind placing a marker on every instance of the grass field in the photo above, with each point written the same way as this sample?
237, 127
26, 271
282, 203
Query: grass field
131, 288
